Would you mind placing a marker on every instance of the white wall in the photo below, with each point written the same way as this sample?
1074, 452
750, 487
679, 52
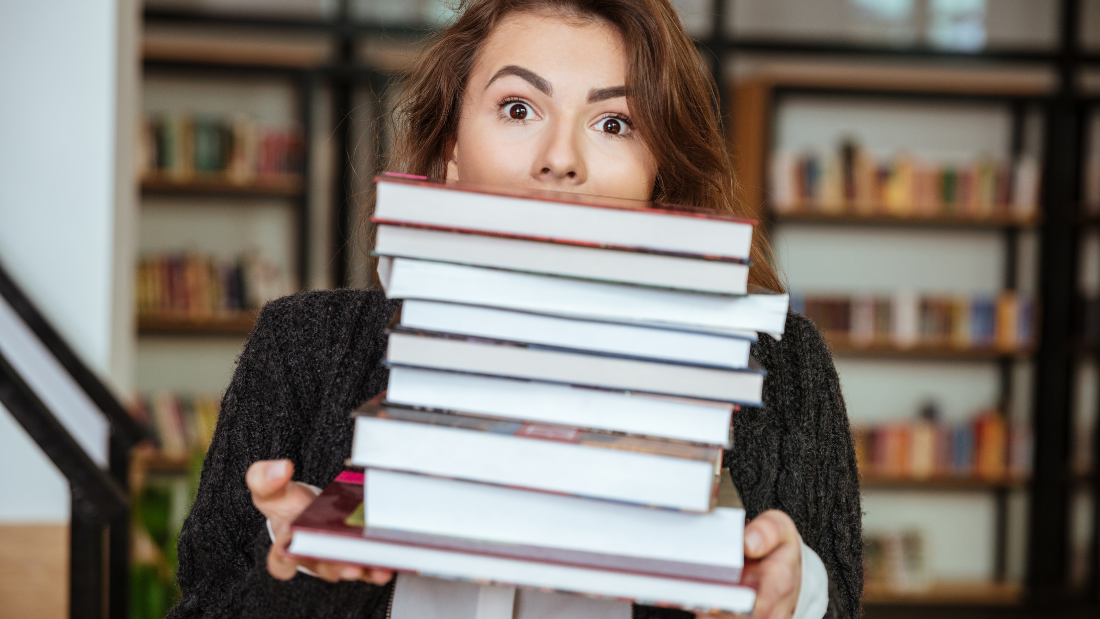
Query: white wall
69, 70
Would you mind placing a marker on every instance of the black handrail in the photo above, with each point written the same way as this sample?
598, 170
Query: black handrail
100, 499
100, 395
96, 495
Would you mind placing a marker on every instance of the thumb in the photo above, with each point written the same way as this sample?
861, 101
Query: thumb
267, 480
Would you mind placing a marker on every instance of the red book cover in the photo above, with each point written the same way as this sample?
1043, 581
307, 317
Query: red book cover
336, 512
654, 209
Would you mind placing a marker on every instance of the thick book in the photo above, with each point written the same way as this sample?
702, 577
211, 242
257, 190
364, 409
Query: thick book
517, 360
696, 421
543, 457
659, 541
637, 268
406, 278
563, 217
331, 529
727, 351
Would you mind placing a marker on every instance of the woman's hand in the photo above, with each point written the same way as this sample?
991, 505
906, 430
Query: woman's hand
773, 540
281, 501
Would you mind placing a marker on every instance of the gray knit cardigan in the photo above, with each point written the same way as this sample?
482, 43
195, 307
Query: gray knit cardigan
313, 357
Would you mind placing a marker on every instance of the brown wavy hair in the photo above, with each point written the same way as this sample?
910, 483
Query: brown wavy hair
670, 91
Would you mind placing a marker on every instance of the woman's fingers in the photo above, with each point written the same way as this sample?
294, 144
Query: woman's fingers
767, 531
379, 576
772, 537
279, 564
267, 480
376, 400
278, 499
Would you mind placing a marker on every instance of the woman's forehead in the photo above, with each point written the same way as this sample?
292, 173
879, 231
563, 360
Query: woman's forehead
564, 51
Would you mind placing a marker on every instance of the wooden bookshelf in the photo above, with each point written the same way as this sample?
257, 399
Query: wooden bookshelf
881, 219
237, 323
946, 594
941, 482
237, 50
844, 347
283, 186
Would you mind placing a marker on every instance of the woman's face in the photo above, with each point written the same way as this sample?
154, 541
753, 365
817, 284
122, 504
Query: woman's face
545, 108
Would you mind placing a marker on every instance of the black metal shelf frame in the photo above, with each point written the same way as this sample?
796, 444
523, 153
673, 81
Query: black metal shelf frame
1050, 485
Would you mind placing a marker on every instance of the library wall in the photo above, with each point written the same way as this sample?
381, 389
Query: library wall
66, 217
61, 207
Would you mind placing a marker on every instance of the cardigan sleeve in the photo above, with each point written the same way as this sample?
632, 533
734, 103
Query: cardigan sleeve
795, 454
223, 545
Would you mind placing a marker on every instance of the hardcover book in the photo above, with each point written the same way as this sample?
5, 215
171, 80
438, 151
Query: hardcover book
759, 311
331, 529
560, 459
695, 421
562, 217
516, 360
582, 262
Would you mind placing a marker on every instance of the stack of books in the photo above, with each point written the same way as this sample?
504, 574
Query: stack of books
563, 373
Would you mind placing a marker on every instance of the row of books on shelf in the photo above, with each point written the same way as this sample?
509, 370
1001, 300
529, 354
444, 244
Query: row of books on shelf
853, 181
895, 560
198, 285
1004, 322
569, 401
987, 447
185, 147
180, 425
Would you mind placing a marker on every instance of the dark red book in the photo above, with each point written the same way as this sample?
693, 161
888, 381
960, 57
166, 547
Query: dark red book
560, 217
331, 529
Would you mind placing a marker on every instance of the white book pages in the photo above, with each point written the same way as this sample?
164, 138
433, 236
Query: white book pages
570, 368
448, 208
545, 465
697, 421
448, 507
606, 337
643, 589
584, 262
404, 278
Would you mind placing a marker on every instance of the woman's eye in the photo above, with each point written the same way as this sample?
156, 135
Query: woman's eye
614, 126
517, 111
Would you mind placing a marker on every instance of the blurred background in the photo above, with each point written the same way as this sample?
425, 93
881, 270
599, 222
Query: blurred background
928, 172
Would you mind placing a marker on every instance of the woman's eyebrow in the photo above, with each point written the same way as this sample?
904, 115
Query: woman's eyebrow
602, 94
530, 76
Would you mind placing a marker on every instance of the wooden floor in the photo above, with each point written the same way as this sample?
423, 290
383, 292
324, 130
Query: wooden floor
34, 571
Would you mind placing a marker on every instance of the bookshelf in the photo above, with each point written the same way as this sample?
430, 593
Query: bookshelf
946, 594
233, 324
764, 97
942, 482
883, 219
289, 187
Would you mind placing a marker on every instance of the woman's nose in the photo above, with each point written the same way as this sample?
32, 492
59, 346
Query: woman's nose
560, 161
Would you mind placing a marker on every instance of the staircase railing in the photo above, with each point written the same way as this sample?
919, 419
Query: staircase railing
66, 409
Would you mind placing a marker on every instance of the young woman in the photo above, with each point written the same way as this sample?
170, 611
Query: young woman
603, 97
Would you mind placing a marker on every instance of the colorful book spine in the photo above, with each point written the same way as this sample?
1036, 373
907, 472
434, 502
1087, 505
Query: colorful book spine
852, 181
906, 320
988, 447
199, 285
183, 147
180, 425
